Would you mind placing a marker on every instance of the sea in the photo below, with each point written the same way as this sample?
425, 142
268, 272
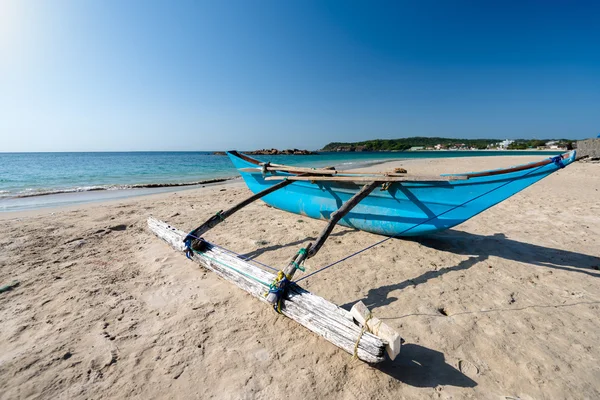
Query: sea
38, 180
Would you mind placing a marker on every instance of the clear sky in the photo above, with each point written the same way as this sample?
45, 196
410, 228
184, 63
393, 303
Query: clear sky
220, 74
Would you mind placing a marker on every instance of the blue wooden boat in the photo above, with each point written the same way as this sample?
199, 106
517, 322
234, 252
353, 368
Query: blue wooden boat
391, 204
405, 206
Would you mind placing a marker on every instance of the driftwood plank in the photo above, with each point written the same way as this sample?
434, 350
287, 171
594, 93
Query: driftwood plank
313, 312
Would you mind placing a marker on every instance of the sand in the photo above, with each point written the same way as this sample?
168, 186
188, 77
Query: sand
505, 306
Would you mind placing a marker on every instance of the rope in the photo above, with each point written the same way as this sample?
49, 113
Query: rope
362, 332
414, 226
263, 167
558, 161
301, 252
278, 287
298, 266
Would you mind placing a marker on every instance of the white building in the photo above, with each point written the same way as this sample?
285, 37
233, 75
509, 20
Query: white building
505, 144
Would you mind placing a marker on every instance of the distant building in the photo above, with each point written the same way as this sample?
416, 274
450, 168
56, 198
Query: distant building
416, 148
504, 144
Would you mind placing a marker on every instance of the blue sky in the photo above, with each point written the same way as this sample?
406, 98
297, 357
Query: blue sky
211, 75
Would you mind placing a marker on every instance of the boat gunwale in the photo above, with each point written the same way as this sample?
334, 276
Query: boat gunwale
570, 155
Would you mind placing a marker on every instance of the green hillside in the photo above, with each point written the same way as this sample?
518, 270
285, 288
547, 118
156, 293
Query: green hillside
417, 141
407, 143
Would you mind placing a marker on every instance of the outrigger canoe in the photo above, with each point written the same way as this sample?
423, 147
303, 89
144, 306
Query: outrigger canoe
406, 206
389, 203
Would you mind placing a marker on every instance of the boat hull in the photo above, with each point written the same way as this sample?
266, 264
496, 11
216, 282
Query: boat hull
405, 208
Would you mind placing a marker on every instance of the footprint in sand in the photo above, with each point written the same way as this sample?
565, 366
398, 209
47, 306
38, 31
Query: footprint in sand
468, 368
262, 355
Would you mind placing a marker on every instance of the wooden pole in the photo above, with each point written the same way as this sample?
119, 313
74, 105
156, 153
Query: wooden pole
222, 215
339, 214
314, 247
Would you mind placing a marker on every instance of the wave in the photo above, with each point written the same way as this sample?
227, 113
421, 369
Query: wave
31, 193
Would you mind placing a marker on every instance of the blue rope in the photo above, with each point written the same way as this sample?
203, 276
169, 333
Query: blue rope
188, 247
558, 160
278, 288
421, 223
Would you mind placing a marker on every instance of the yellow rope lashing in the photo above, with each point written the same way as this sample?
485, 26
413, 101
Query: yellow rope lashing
364, 328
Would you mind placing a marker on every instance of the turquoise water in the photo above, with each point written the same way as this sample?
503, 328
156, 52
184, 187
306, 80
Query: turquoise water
24, 175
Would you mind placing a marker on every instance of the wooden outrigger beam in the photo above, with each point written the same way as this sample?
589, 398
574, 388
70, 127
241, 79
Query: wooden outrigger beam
195, 235
313, 312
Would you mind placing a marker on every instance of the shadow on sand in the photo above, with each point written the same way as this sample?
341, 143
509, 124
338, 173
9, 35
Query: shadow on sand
499, 245
422, 367
480, 248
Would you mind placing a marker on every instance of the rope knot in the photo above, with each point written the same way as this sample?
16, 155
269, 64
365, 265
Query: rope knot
362, 332
558, 160
188, 247
278, 287
298, 266
263, 168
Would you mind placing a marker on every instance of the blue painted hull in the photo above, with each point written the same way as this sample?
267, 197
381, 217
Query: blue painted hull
406, 208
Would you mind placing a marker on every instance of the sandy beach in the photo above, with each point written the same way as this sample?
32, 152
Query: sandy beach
504, 306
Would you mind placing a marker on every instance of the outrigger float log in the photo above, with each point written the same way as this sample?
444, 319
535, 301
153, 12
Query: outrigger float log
311, 311
405, 205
